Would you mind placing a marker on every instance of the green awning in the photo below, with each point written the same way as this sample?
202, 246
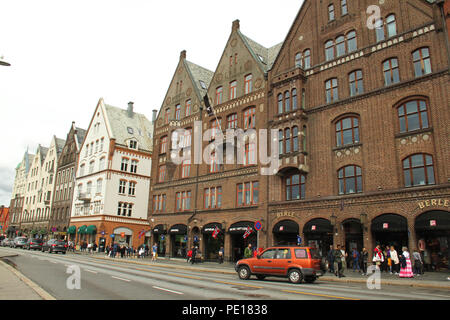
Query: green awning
72, 230
82, 230
91, 229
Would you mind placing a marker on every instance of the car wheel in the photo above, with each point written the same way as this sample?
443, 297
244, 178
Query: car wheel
295, 276
260, 277
310, 279
244, 273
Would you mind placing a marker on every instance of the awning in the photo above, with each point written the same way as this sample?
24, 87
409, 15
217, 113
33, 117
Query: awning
210, 227
72, 230
82, 230
240, 227
91, 229
433, 221
286, 226
178, 229
389, 223
318, 226
159, 229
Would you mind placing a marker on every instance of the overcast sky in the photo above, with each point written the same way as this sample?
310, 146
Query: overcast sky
66, 54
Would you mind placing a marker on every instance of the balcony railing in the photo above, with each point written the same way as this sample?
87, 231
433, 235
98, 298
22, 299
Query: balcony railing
86, 197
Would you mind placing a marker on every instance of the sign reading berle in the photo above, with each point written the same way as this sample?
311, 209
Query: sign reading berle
433, 203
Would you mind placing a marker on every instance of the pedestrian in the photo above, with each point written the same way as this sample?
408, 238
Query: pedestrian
364, 260
418, 264
122, 251
355, 257
146, 250
330, 258
194, 255
427, 259
395, 262
387, 260
344, 258
221, 254
405, 264
248, 252
141, 253
154, 252
94, 246
189, 254
378, 256
338, 257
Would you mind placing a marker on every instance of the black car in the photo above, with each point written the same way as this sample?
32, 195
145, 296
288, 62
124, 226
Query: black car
19, 242
35, 244
54, 245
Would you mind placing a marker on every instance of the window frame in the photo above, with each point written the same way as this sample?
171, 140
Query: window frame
424, 165
355, 177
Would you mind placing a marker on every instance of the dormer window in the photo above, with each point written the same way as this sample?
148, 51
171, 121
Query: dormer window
133, 144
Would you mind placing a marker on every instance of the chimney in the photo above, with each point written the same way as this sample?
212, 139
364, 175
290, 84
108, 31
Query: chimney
183, 55
130, 109
236, 25
155, 113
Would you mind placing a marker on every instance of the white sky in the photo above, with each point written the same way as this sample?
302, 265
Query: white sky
66, 54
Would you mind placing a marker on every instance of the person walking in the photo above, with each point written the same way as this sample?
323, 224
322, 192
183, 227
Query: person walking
387, 263
378, 256
194, 255
364, 260
344, 258
94, 247
355, 257
248, 252
418, 264
141, 253
405, 264
330, 258
338, 256
395, 262
221, 254
189, 254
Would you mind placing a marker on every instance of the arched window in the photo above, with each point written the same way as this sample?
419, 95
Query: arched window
352, 44
287, 101
298, 60
422, 62
294, 99
391, 25
347, 131
340, 46
350, 180
219, 95
413, 115
295, 187
391, 71
418, 170
307, 59
187, 108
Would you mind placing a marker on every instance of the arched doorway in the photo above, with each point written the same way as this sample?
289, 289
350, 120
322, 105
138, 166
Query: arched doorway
212, 245
122, 235
433, 234
319, 234
238, 242
178, 240
390, 230
353, 232
285, 233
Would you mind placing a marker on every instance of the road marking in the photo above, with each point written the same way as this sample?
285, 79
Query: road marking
238, 284
431, 294
176, 292
182, 276
121, 279
319, 295
90, 271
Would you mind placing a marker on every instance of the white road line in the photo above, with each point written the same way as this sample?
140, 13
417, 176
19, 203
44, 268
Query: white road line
431, 294
176, 292
121, 279
91, 271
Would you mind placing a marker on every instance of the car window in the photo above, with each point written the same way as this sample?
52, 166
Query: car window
60, 242
301, 254
283, 254
269, 254
315, 254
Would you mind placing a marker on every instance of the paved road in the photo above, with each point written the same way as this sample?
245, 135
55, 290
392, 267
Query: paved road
116, 280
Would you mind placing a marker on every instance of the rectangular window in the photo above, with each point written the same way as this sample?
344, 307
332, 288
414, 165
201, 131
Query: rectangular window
187, 109
213, 197
162, 174
178, 112
331, 88
99, 186
166, 116
232, 121
122, 186
247, 194
102, 164
330, 12
133, 166
344, 9
186, 169
250, 118
219, 95
102, 142
124, 165
91, 166
132, 188
163, 146
183, 201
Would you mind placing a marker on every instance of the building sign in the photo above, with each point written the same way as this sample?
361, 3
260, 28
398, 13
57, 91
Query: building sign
281, 228
285, 214
433, 203
313, 228
385, 225
433, 223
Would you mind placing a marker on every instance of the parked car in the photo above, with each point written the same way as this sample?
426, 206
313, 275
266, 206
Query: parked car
293, 262
5, 242
19, 242
54, 245
35, 244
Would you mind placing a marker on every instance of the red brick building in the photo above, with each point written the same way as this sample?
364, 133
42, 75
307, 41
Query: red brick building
361, 109
4, 220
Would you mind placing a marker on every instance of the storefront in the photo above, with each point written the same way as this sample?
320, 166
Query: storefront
238, 242
81, 235
178, 240
123, 236
390, 230
286, 232
433, 234
159, 233
319, 234
71, 233
353, 233
212, 245
91, 232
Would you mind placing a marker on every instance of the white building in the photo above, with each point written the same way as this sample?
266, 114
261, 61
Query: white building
113, 178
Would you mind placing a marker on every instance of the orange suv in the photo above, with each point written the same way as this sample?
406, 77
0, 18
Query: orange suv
296, 263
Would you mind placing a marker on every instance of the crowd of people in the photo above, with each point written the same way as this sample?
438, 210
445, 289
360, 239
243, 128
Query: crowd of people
386, 259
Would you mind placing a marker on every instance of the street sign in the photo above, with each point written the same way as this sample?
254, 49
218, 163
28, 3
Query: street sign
195, 239
299, 240
258, 225
112, 236
163, 237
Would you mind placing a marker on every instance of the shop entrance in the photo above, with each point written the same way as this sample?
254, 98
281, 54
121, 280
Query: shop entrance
433, 233
319, 234
353, 235
238, 243
390, 230
285, 233
178, 240
159, 234
212, 246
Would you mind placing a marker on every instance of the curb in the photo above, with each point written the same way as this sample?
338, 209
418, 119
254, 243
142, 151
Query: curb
41, 292
325, 278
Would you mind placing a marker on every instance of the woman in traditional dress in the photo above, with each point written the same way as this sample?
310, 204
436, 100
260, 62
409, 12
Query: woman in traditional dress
406, 267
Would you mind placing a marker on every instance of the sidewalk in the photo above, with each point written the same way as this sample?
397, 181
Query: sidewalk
436, 280
15, 286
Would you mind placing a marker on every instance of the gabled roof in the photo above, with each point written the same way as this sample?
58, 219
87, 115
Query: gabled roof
43, 152
198, 74
120, 121
264, 56
60, 143
81, 134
